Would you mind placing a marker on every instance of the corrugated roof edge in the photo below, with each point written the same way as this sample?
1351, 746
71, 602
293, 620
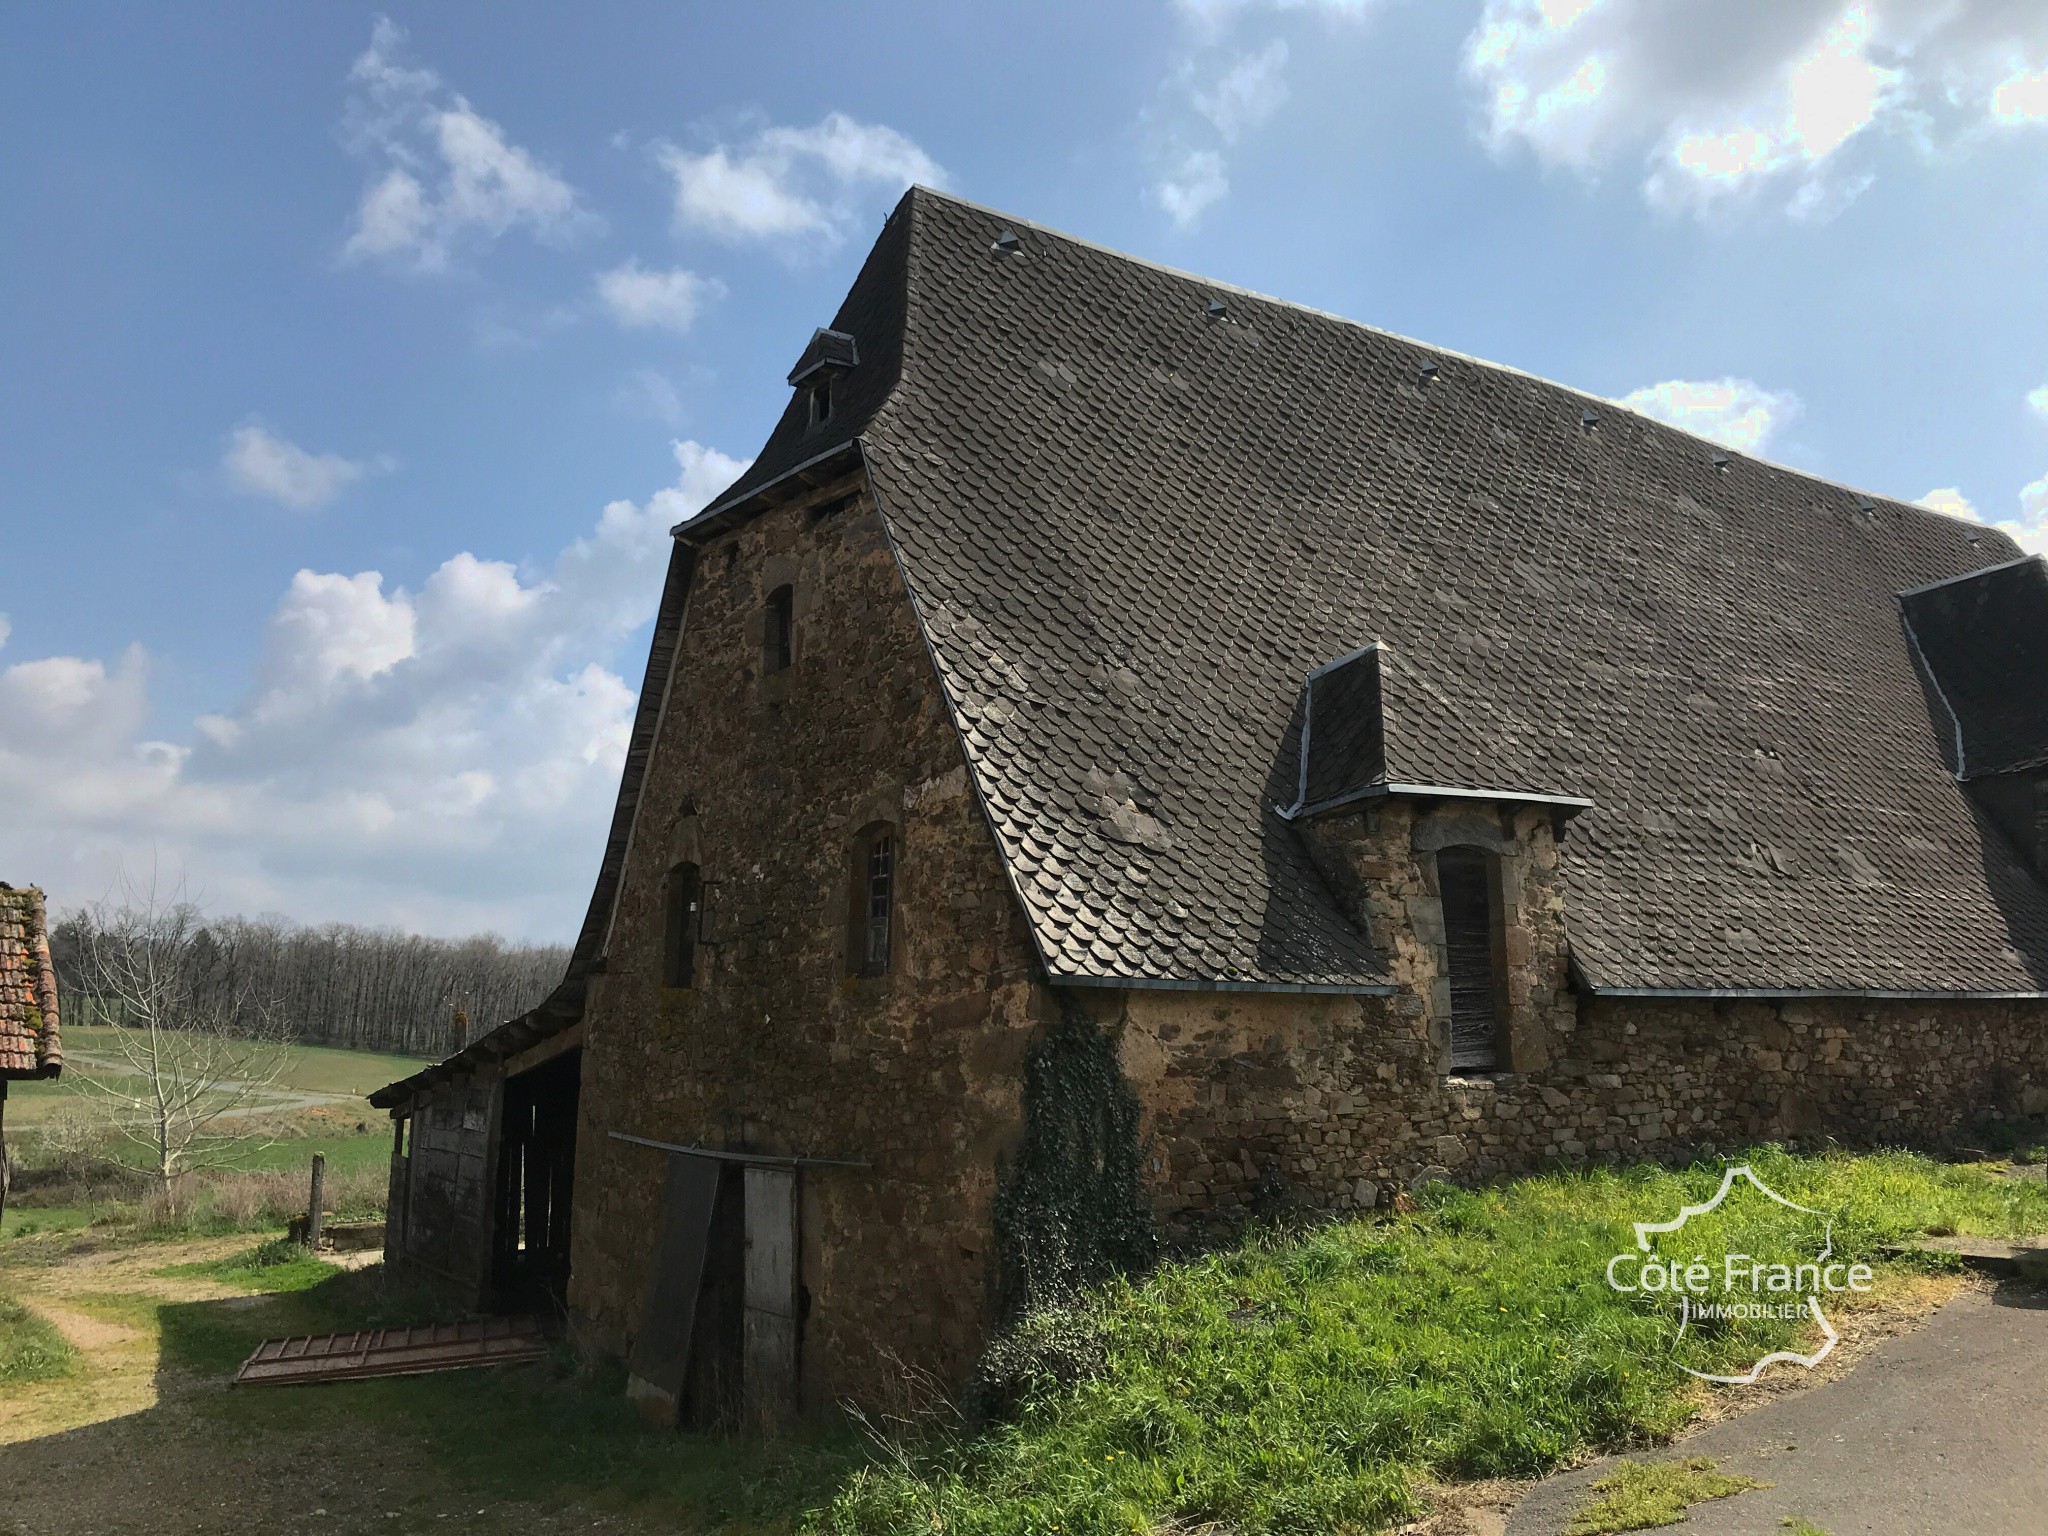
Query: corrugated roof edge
1464, 357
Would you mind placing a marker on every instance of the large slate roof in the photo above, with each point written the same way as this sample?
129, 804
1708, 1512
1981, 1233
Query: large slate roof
1132, 524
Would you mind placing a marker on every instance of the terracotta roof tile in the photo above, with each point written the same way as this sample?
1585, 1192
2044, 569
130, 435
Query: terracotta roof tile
29, 1042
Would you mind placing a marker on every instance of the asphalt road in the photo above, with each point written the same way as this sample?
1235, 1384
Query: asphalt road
1939, 1432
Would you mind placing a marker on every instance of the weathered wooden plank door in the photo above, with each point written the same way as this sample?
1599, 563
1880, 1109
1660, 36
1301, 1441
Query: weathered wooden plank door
771, 1322
668, 1309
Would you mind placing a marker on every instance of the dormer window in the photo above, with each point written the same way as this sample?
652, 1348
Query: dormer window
830, 354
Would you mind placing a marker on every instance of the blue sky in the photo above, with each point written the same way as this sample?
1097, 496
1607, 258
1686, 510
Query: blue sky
357, 361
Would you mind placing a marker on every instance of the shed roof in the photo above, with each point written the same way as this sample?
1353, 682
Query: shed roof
29, 1042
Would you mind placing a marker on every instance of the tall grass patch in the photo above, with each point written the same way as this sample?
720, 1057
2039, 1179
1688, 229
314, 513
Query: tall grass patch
1309, 1383
31, 1349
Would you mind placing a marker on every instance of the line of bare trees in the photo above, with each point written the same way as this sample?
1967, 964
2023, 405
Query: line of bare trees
364, 988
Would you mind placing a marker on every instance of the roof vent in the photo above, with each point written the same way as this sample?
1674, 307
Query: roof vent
1426, 373
1218, 309
1006, 243
1721, 462
1589, 419
1866, 506
828, 349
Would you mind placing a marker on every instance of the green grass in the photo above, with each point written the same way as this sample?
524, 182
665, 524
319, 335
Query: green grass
1311, 1384
1799, 1527
31, 1220
31, 1349
1639, 1495
276, 1267
307, 1069
1306, 1383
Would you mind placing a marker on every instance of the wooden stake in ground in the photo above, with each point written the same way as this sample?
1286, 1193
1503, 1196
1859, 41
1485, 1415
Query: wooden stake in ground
316, 1199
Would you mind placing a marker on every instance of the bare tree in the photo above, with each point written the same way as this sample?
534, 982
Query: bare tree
195, 1061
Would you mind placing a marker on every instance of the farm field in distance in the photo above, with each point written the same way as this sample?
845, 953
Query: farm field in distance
318, 1104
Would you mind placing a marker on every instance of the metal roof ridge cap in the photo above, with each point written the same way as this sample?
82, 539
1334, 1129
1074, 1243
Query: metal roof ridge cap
1987, 570
1427, 346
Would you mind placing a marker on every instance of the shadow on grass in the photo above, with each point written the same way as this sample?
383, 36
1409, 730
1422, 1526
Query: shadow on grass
548, 1438
546, 1432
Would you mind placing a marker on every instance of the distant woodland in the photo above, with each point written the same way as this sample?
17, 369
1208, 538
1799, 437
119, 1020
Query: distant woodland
368, 989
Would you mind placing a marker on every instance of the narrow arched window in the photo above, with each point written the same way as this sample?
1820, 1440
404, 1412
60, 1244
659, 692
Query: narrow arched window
871, 931
778, 630
1465, 876
685, 899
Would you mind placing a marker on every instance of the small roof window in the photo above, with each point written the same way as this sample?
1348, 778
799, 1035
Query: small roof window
829, 352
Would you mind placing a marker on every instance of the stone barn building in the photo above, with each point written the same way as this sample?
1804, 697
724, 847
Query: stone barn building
1401, 762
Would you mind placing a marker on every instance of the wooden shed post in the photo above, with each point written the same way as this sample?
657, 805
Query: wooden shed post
315, 1200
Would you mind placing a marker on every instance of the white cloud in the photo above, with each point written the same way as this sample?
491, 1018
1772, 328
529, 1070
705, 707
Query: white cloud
2029, 530
1736, 413
261, 463
1248, 93
2037, 401
668, 300
1949, 499
1719, 97
2022, 97
1192, 186
793, 183
446, 176
442, 757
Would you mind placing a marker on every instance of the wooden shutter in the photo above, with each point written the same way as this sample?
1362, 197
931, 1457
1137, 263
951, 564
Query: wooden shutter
1465, 877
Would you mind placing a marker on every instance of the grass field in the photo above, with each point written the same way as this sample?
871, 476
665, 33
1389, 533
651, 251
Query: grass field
70, 1168
1321, 1381
308, 1069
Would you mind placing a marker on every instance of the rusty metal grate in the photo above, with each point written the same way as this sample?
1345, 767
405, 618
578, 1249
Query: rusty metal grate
393, 1352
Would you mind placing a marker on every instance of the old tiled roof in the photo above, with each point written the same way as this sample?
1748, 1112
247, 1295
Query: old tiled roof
29, 1045
1136, 508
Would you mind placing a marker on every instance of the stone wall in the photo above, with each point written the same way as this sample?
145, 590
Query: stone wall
1334, 1102
763, 781
1337, 1102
